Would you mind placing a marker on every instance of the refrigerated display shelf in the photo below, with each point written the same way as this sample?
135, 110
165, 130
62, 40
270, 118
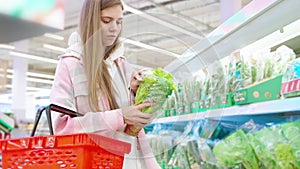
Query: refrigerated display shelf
283, 106
255, 21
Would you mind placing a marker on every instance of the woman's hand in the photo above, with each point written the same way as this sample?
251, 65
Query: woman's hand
136, 80
133, 116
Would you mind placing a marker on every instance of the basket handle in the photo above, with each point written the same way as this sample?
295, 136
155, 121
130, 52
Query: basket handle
48, 109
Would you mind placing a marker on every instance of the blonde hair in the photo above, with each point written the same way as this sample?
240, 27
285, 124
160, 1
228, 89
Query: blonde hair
94, 52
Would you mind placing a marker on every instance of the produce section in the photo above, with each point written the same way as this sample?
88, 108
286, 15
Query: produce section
244, 111
227, 91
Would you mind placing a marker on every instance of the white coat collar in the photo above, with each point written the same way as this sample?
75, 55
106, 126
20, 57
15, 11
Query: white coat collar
75, 49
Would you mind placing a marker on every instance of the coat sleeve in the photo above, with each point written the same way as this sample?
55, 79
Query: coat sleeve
62, 93
149, 158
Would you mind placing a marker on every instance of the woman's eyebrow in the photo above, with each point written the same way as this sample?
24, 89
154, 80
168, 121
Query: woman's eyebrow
109, 17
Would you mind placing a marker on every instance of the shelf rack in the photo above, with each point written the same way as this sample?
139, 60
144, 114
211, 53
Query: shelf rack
282, 106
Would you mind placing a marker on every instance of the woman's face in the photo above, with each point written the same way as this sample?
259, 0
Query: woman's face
111, 24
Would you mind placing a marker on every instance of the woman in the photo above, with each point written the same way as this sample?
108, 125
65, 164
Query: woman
94, 79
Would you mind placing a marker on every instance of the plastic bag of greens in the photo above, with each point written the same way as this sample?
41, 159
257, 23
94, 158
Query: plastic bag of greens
239, 72
155, 87
181, 157
291, 131
235, 150
264, 144
283, 55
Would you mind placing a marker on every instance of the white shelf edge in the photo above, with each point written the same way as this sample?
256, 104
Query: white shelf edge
268, 107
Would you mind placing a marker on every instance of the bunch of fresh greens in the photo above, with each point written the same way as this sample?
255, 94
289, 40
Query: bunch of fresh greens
235, 150
155, 87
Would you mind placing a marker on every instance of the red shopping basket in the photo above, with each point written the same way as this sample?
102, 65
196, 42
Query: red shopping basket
81, 151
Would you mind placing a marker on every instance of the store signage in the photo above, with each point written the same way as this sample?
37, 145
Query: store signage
45, 12
3, 75
291, 86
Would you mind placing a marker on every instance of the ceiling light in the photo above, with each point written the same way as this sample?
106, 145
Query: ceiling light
156, 49
4, 46
30, 79
33, 57
32, 88
55, 48
40, 75
161, 22
46, 76
57, 37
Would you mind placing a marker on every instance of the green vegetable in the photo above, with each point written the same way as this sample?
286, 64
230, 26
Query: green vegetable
284, 156
291, 131
235, 150
155, 87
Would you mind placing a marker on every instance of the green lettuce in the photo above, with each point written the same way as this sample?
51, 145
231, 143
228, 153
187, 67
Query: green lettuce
235, 150
155, 87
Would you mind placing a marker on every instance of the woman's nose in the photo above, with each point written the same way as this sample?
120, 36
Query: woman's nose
113, 26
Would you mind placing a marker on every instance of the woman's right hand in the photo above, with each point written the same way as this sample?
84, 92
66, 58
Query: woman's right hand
133, 116
136, 80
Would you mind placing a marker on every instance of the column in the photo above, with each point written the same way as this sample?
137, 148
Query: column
229, 8
19, 83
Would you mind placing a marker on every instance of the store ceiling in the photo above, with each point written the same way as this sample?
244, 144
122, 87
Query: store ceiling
168, 27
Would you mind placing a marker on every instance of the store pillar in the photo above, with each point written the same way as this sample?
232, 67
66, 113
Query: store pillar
229, 8
19, 83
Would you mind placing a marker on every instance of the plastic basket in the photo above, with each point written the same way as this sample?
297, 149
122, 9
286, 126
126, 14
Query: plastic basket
82, 151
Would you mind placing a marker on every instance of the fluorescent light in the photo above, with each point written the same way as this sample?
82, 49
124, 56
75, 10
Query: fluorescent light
40, 75
46, 76
156, 49
161, 22
30, 79
55, 48
4, 46
39, 80
32, 88
57, 37
33, 57
39, 94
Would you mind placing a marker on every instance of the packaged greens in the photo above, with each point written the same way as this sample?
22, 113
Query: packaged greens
291, 131
264, 143
239, 73
155, 87
181, 157
284, 156
235, 150
283, 56
216, 88
206, 154
268, 68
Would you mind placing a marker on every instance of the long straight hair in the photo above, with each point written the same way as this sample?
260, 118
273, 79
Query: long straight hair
94, 52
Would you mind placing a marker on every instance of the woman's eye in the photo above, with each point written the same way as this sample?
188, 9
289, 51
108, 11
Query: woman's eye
105, 21
119, 22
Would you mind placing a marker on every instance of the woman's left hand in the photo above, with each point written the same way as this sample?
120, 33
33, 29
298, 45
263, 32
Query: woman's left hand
136, 80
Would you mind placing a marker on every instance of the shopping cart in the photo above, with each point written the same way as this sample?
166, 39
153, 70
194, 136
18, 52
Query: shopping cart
81, 151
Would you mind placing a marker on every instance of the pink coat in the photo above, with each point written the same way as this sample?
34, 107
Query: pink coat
70, 90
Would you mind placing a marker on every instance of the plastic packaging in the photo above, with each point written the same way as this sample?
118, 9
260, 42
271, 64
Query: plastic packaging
155, 87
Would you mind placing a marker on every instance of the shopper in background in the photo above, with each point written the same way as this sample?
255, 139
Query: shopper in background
93, 78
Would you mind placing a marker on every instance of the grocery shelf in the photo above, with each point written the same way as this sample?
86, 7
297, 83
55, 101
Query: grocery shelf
253, 22
270, 107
